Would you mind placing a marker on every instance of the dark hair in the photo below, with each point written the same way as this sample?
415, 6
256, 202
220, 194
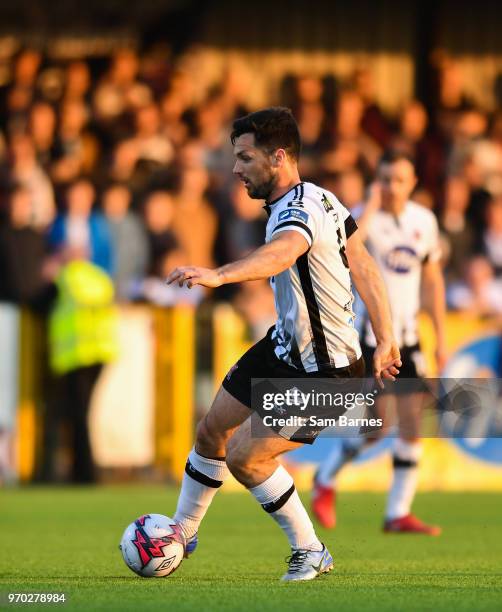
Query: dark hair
273, 128
394, 155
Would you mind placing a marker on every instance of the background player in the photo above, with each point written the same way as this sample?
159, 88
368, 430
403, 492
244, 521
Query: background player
314, 334
403, 238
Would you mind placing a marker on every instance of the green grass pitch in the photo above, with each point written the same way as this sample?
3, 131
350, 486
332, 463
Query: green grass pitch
66, 539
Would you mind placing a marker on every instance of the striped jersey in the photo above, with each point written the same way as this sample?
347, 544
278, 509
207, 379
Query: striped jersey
313, 298
400, 246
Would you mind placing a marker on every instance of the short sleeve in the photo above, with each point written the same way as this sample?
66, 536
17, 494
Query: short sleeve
350, 225
302, 217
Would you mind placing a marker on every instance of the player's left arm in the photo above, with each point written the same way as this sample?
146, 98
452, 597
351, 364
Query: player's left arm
370, 286
434, 302
268, 260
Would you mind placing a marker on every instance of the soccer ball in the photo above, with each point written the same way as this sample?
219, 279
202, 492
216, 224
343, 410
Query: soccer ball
153, 546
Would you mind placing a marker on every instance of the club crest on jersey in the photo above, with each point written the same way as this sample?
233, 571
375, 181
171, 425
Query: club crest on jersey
294, 214
401, 259
326, 203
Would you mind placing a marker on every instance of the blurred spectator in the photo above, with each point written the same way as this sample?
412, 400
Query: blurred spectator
485, 152
129, 241
77, 149
212, 132
173, 107
451, 99
80, 233
455, 227
195, 220
25, 273
349, 188
25, 269
42, 128
155, 67
166, 252
353, 147
82, 338
17, 96
312, 123
25, 170
373, 121
468, 143
124, 160
481, 293
424, 146
491, 243
244, 226
236, 82
159, 215
120, 90
151, 144
479, 196
77, 82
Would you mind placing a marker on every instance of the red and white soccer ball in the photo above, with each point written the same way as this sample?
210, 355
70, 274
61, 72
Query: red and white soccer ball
153, 546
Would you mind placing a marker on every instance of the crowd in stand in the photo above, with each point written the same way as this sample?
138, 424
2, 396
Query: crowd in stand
120, 166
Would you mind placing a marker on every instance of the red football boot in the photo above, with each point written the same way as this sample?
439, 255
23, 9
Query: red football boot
410, 524
323, 505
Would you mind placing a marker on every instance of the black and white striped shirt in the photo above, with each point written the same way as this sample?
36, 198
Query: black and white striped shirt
400, 246
315, 326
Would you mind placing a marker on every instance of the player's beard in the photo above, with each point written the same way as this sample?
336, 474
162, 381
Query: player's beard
264, 189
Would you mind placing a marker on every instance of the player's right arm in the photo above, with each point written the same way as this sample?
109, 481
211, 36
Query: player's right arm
371, 288
268, 260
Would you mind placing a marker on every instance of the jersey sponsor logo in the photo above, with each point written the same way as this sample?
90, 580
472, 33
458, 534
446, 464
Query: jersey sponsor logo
401, 259
294, 214
326, 203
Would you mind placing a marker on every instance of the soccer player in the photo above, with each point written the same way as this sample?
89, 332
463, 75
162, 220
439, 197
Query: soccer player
312, 248
403, 238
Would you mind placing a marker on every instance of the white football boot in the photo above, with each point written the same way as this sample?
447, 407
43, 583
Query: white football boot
308, 564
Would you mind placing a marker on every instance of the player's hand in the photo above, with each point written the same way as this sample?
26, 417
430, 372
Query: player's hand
191, 276
386, 361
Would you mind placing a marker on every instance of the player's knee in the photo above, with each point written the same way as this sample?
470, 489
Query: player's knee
208, 441
238, 461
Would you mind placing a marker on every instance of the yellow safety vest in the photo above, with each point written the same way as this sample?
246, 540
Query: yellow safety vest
83, 322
